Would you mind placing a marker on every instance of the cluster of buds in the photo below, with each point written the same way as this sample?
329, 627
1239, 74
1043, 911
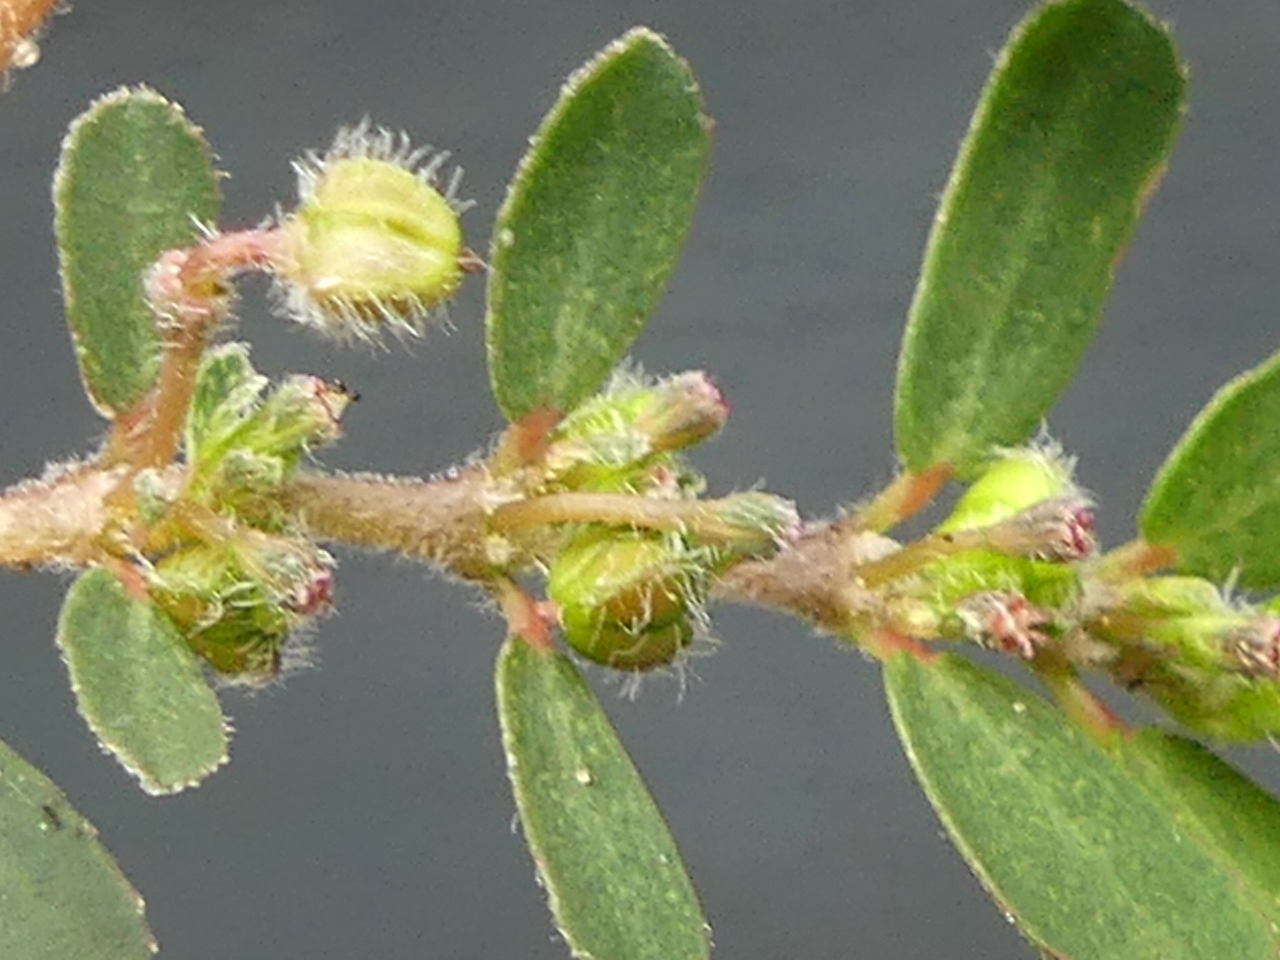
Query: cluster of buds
629, 597
231, 577
1005, 572
1212, 663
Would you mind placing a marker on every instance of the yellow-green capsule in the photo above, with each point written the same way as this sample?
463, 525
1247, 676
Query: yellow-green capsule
374, 243
627, 598
1017, 480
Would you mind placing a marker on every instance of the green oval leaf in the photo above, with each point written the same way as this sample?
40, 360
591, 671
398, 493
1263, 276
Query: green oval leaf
61, 893
1066, 838
1211, 802
592, 224
616, 884
139, 686
1069, 138
134, 178
1215, 500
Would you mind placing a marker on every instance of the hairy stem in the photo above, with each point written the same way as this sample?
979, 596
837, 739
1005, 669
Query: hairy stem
904, 498
58, 521
440, 521
188, 291
699, 518
814, 578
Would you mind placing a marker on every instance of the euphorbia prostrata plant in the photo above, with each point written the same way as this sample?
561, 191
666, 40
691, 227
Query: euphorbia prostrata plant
201, 527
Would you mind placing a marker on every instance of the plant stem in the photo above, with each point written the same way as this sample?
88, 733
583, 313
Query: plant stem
699, 518
812, 578
59, 521
904, 498
188, 291
441, 521
1132, 560
916, 555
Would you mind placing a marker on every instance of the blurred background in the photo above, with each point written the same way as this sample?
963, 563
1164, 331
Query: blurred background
366, 811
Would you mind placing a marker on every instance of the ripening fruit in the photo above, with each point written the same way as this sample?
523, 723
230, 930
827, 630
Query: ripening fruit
375, 243
1014, 482
628, 599
237, 608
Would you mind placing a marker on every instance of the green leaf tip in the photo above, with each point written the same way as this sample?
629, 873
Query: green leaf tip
593, 223
614, 878
139, 687
62, 894
1096, 854
1068, 140
135, 178
1215, 499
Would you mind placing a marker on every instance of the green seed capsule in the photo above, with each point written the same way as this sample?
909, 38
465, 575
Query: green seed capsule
1018, 480
237, 608
627, 598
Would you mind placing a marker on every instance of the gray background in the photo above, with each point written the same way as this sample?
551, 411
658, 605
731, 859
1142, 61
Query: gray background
365, 813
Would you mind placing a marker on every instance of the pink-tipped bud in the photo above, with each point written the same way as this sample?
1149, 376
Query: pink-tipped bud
1058, 530
683, 410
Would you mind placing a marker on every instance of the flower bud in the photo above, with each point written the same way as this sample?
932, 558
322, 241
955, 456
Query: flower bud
1226, 706
1214, 665
1240, 642
1004, 621
619, 440
374, 244
681, 411
1059, 530
1027, 506
301, 414
627, 599
240, 442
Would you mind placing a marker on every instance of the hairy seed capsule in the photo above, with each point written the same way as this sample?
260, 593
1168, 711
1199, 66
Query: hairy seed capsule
374, 245
237, 608
1019, 479
626, 598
